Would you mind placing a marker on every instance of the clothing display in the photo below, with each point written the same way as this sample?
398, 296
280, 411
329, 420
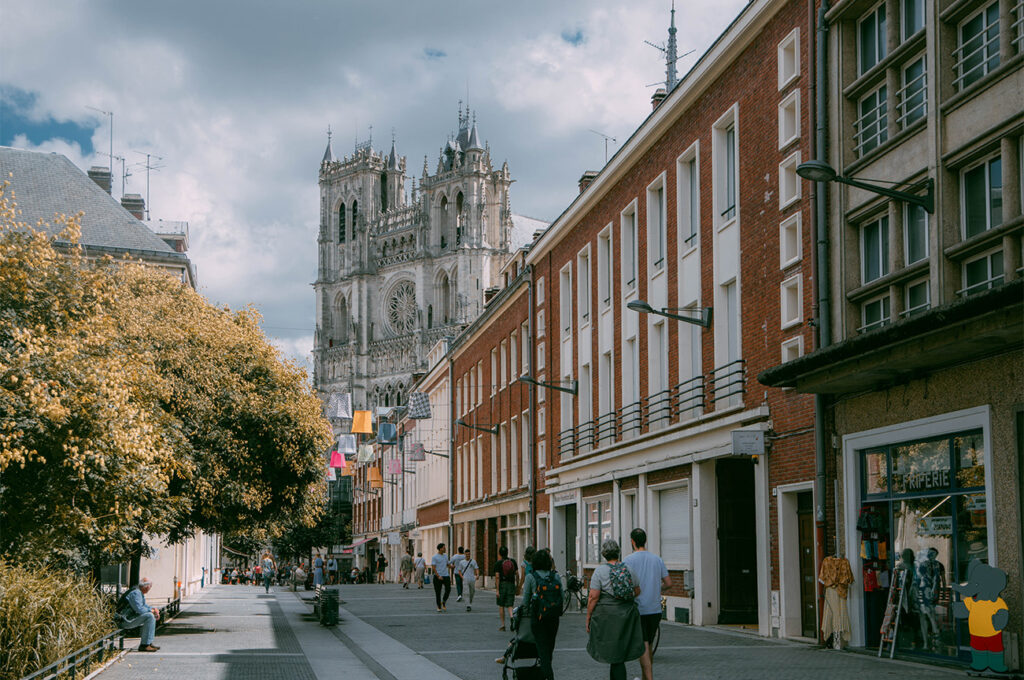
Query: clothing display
836, 576
836, 573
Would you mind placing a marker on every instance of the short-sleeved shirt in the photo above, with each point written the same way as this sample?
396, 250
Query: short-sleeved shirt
318, 563
500, 573
268, 564
440, 563
468, 568
421, 563
332, 565
457, 559
650, 570
602, 578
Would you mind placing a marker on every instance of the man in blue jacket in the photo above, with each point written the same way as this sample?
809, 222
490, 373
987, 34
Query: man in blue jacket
142, 615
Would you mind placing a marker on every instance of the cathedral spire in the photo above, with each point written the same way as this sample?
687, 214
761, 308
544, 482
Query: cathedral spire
328, 154
670, 53
393, 156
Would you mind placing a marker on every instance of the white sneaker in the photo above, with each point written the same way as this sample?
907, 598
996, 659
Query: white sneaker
459, 598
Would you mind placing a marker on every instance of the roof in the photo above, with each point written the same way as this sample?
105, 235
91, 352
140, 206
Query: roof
523, 230
46, 184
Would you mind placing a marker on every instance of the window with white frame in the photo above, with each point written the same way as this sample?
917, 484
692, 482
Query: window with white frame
977, 51
726, 163
913, 95
606, 382
789, 58
875, 313
631, 372
583, 285
874, 249
541, 327
789, 119
656, 247
789, 181
690, 369
524, 455
542, 421
503, 378
674, 526
513, 448
494, 463
793, 348
983, 272
524, 334
565, 301
542, 453
598, 528
565, 412
688, 198
982, 197
494, 371
584, 402
503, 454
513, 356
628, 519
479, 382
871, 129
629, 256
871, 38
915, 233
791, 299
479, 468
911, 17
790, 244
541, 393
730, 295
604, 268
658, 356
916, 297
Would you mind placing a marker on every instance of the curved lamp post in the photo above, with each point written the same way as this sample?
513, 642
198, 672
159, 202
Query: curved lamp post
703, 320
820, 171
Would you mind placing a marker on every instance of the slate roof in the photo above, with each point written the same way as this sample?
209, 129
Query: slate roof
49, 183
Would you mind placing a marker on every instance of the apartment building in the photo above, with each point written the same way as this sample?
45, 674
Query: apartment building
923, 373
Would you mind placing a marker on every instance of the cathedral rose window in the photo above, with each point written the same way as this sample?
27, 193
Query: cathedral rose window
401, 308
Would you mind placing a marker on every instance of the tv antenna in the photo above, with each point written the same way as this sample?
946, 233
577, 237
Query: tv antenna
124, 172
606, 138
669, 50
109, 114
152, 164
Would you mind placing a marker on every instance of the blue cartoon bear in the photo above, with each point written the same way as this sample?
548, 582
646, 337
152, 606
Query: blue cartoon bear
986, 614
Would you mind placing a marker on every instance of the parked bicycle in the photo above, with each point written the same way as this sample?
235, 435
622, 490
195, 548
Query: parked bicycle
575, 589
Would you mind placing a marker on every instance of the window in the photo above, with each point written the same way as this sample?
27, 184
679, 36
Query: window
726, 174
524, 456
606, 378
565, 301
628, 520
633, 393
540, 358
513, 449
690, 369
658, 357
791, 299
875, 250
983, 272
789, 181
585, 400
793, 348
789, 241
341, 224
656, 225
872, 126
503, 454
871, 38
688, 199
598, 528
494, 463
503, 378
583, 285
674, 526
494, 371
789, 58
604, 268
875, 313
789, 119
977, 53
914, 93
915, 227
540, 323
524, 333
479, 382
513, 356
982, 197
629, 263
732, 321
913, 17
916, 297
542, 453
540, 291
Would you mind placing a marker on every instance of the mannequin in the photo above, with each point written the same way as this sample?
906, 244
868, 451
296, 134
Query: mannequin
931, 582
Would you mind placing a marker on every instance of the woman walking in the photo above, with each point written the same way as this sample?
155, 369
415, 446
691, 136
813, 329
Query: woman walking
613, 620
541, 585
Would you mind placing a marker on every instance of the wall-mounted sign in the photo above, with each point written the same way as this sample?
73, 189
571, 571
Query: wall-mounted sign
748, 442
394, 538
564, 497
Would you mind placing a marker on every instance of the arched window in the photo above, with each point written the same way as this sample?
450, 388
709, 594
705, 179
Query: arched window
460, 218
341, 321
355, 213
383, 191
444, 298
341, 224
444, 222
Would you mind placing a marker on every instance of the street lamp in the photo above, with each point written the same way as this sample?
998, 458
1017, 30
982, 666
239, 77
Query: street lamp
572, 389
704, 320
492, 430
820, 171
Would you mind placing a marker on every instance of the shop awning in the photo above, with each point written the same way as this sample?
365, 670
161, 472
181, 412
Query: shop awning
365, 540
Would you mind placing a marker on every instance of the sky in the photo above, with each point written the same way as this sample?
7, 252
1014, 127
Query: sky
232, 100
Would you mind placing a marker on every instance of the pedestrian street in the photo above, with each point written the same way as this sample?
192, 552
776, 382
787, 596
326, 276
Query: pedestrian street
388, 633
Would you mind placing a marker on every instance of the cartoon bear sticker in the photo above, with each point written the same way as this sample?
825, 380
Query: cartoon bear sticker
986, 614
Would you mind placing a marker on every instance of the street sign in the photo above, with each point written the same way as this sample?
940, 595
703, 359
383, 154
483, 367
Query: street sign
748, 442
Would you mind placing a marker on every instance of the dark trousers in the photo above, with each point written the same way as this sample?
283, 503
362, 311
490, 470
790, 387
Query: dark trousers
618, 671
545, 631
458, 585
442, 582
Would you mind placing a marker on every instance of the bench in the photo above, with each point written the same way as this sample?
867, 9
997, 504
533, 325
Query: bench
327, 615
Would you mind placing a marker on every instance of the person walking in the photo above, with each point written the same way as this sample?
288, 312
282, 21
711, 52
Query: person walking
506, 578
456, 563
133, 612
318, 570
267, 568
439, 564
525, 567
406, 570
613, 621
542, 602
332, 570
421, 566
382, 564
652, 577
470, 570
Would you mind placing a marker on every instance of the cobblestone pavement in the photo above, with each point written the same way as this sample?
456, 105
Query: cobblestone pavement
387, 633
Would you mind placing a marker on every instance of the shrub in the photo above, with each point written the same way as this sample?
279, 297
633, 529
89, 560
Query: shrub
46, 614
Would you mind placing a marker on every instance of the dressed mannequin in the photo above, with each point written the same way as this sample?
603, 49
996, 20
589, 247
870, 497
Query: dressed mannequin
931, 583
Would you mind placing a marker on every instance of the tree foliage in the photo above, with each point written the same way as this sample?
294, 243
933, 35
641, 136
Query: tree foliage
130, 407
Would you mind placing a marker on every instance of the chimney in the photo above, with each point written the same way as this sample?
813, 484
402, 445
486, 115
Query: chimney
588, 177
101, 176
489, 294
134, 204
658, 97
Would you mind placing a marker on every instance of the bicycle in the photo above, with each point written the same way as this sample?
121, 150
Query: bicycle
574, 590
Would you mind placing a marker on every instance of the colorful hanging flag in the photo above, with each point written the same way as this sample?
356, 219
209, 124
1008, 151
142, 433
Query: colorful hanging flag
418, 452
419, 405
347, 443
365, 453
394, 466
337, 460
387, 433
362, 422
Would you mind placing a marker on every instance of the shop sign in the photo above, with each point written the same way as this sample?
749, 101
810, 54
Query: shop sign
394, 538
922, 481
748, 442
564, 497
935, 526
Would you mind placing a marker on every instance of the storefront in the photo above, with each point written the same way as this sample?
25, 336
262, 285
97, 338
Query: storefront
917, 514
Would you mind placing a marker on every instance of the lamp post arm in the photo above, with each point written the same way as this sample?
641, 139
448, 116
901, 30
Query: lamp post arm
927, 201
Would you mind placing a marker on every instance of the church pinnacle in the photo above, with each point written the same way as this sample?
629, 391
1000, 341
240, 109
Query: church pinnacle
670, 53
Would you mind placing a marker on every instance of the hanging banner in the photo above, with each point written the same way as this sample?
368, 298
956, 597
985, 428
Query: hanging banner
394, 466
347, 443
418, 452
387, 433
419, 405
362, 422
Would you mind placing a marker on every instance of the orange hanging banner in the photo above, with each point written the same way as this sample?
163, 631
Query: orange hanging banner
362, 422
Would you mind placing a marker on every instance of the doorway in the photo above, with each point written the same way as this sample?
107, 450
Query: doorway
737, 541
805, 539
570, 539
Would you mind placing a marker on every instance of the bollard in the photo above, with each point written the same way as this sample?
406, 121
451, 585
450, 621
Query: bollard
329, 607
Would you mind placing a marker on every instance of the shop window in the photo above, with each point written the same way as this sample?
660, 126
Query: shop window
871, 38
598, 527
977, 51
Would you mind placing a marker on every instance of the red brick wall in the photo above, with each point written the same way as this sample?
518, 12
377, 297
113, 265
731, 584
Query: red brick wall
432, 514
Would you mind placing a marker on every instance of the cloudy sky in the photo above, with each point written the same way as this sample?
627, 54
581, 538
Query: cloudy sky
236, 97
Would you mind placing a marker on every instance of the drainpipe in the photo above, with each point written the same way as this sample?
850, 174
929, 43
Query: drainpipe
532, 446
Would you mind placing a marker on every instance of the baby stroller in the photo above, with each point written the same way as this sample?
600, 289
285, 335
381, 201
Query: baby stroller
521, 660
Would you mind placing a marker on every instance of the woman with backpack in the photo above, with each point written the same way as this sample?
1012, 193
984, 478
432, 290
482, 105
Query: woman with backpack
613, 620
542, 602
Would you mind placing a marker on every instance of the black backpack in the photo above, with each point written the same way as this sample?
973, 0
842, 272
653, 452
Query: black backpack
547, 596
123, 611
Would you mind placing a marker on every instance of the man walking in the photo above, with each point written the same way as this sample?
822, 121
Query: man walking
456, 563
652, 578
135, 612
442, 577
406, 570
469, 571
332, 570
421, 566
506, 576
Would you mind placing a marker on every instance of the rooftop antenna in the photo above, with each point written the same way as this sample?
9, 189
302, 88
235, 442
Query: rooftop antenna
150, 166
669, 51
606, 138
111, 116
124, 173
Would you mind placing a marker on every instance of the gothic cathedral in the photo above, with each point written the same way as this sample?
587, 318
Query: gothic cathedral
396, 273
